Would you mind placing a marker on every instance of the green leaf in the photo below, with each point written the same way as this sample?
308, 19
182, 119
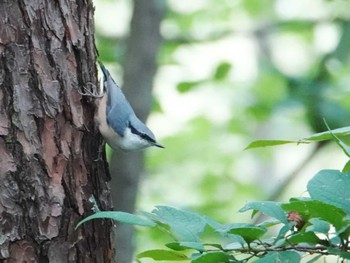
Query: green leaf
176, 246
186, 86
269, 208
218, 246
235, 241
283, 256
332, 187
218, 227
336, 240
346, 167
344, 231
248, 232
318, 226
283, 231
338, 252
306, 237
161, 254
185, 225
193, 245
323, 136
185, 245
257, 8
342, 145
210, 257
269, 223
317, 209
121, 217
267, 143
222, 70
328, 135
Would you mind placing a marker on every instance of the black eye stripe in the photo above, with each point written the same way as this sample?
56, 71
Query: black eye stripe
142, 135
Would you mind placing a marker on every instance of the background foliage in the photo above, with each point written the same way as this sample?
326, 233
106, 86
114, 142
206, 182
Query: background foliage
232, 72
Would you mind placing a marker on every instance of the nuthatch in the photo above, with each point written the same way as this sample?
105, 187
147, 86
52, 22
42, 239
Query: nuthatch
116, 119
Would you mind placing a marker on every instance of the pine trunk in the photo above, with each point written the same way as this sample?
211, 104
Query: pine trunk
49, 160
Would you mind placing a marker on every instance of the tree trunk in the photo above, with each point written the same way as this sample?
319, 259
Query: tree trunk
49, 163
140, 68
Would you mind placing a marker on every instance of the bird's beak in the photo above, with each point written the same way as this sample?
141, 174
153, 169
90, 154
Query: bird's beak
158, 145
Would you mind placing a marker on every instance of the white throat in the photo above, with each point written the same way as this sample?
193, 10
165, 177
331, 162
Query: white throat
131, 141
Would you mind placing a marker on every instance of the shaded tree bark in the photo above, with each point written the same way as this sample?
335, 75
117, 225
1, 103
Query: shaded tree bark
47, 139
139, 70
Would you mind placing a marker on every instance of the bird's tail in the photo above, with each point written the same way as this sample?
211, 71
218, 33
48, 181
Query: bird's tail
104, 70
102, 79
108, 85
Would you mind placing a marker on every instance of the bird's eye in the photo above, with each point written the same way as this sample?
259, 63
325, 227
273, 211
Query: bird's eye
147, 138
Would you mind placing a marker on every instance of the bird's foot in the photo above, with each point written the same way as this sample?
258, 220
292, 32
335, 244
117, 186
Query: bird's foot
91, 91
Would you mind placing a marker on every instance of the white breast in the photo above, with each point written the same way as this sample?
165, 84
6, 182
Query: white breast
131, 142
128, 142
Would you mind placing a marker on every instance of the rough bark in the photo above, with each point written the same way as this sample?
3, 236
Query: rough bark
139, 70
47, 139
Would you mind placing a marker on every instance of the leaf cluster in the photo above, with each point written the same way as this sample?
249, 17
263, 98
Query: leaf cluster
309, 227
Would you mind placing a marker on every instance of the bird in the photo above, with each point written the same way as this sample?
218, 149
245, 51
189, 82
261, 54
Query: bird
116, 119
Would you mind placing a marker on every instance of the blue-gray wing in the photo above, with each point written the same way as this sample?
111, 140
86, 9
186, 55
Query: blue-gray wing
118, 108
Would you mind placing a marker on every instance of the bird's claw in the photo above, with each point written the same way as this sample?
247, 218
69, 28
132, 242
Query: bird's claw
91, 91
